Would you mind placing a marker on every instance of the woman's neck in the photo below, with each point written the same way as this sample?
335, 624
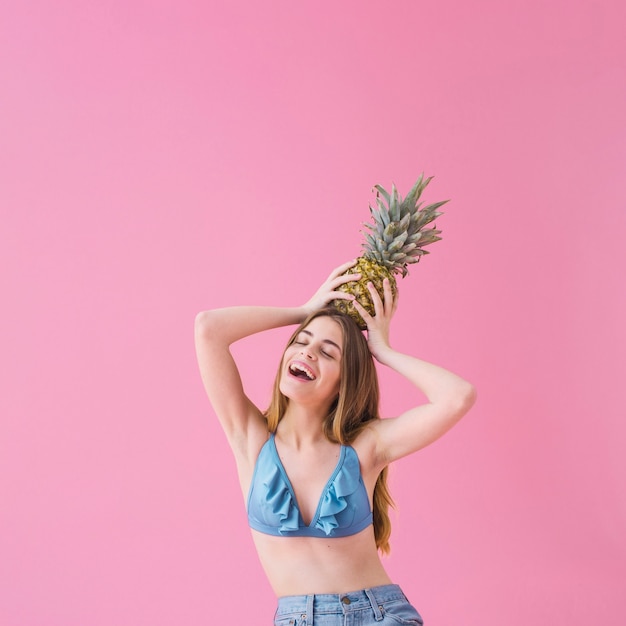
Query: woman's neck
302, 426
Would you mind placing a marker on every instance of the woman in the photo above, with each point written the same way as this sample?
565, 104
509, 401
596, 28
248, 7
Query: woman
313, 466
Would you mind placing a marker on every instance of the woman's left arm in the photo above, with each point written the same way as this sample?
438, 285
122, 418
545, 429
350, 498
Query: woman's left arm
449, 396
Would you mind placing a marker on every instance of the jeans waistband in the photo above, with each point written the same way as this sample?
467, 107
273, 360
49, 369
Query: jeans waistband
346, 602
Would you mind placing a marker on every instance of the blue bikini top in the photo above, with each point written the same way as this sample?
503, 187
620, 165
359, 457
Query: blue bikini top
343, 508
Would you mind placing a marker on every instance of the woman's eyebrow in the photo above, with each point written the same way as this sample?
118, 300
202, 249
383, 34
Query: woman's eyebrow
332, 343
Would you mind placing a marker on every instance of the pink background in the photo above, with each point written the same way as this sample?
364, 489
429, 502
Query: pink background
160, 158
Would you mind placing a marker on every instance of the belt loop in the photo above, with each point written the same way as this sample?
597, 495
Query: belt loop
377, 612
309, 610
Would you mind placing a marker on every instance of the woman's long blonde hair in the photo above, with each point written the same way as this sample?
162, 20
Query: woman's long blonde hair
355, 406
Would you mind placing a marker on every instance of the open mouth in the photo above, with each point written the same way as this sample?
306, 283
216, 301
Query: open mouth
300, 370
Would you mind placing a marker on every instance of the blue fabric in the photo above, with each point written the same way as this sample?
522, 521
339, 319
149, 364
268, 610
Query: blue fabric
379, 606
343, 509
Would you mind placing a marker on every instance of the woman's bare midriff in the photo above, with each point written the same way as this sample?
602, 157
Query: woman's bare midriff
311, 565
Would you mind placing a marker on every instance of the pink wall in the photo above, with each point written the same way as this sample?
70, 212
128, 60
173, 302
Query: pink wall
159, 158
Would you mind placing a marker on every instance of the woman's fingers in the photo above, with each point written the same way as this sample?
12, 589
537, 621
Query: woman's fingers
384, 306
342, 280
389, 302
341, 295
341, 269
376, 301
328, 289
339, 277
395, 303
362, 312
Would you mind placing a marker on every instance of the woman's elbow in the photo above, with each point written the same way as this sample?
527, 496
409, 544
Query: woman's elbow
204, 323
465, 398
459, 401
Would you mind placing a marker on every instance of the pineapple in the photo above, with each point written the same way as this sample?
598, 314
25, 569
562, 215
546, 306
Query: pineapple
395, 239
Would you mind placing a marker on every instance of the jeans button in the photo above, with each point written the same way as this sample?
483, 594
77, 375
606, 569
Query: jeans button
346, 600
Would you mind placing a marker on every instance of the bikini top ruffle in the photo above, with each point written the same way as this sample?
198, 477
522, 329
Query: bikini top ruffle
343, 507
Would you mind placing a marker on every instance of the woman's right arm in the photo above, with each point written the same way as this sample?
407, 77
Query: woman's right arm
217, 329
214, 332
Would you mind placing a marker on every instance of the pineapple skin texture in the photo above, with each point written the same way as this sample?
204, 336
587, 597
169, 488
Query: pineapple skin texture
370, 271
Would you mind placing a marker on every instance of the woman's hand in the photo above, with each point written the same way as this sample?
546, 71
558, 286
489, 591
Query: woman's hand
327, 291
378, 324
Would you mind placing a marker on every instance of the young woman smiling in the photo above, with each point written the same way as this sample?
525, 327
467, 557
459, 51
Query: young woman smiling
313, 466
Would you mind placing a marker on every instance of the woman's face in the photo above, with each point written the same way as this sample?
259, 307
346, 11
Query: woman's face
312, 363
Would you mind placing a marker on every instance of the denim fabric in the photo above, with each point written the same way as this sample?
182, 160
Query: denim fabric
378, 606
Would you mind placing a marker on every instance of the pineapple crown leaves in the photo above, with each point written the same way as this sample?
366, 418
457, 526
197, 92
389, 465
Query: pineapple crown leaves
398, 234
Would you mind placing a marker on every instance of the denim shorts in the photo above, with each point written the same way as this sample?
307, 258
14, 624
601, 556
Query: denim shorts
378, 606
